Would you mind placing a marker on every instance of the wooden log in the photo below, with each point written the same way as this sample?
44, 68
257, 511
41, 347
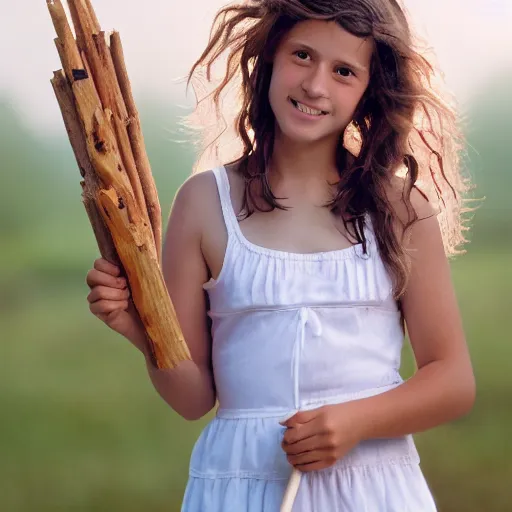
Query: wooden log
116, 48
120, 121
84, 28
87, 67
116, 101
95, 23
102, 234
137, 141
68, 51
129, 163
92, 42
148, 185
158, 315
75, 133
96, 135
79, 32
111, 81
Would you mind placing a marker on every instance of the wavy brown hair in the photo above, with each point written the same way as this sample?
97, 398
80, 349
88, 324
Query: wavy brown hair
404, 129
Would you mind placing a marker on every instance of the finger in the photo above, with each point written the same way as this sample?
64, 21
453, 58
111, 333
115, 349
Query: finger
305, 445
107, 293
105, 266
103, 307
294, 435
99, 278
301, 417
301, 432
315, 466
307, 458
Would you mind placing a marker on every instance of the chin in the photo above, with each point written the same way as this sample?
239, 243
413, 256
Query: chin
304, 134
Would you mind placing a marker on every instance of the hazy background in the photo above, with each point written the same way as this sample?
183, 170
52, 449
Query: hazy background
81, 427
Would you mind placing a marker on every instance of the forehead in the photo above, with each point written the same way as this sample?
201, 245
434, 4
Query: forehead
331, 41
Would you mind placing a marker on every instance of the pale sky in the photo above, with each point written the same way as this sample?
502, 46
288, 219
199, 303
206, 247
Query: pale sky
161, 38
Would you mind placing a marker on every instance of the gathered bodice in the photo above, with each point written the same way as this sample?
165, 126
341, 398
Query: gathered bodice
290, 330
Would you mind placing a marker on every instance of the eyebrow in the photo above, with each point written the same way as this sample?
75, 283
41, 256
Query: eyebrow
354, 65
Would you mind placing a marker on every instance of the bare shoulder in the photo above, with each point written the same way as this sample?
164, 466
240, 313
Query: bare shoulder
197, 208
196, 197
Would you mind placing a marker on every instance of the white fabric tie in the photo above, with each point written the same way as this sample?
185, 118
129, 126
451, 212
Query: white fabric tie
307, 316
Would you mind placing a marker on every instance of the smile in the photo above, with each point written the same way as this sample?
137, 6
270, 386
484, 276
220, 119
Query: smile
307, 110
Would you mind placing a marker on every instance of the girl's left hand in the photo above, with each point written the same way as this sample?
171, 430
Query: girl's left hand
318, 438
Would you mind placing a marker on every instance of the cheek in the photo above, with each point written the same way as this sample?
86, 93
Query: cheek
349, 100
276, 90
285, 79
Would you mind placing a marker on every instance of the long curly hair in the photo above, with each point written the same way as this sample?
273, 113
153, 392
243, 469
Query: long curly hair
405, 128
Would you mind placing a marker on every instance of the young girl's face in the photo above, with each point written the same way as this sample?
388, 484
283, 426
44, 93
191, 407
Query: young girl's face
320, 74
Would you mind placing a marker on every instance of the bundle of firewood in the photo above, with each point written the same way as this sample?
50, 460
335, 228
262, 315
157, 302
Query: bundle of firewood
118, 191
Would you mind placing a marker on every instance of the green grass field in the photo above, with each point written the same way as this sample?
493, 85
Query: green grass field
82, 428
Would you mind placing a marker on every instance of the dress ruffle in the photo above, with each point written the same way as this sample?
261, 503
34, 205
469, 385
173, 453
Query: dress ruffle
238, 465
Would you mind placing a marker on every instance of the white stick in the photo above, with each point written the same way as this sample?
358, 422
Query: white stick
291, 491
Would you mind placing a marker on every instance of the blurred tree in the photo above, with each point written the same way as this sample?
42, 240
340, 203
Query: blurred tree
28, 164
490, 161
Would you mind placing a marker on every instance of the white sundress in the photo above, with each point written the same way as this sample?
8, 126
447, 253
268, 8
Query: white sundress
293, 332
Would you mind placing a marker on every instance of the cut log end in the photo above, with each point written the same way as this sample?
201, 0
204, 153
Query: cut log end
169, 355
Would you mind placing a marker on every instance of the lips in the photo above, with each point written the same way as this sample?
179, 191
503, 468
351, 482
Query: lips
307, 109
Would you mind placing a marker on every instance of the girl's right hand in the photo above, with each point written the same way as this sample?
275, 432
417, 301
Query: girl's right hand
110, 300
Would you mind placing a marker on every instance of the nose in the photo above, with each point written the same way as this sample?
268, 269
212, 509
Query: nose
315, 84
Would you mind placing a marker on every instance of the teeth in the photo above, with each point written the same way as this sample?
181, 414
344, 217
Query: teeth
307, 110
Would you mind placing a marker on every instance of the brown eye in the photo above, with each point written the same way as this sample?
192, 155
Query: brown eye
302, 55
344, 72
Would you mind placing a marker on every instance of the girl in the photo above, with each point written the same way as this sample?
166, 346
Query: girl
311, 253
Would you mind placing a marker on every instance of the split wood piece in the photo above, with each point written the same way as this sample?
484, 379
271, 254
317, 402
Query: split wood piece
76, 136
68, 50
91, 40
126, 153
158, 316
92, 43
137, 140
102, 234
95, 23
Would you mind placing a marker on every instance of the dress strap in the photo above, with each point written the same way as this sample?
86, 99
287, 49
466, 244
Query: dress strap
223, 186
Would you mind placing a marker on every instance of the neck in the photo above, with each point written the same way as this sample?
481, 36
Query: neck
308, 163
300, 172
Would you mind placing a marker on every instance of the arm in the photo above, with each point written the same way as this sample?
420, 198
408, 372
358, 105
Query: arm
189, 388
443, 387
